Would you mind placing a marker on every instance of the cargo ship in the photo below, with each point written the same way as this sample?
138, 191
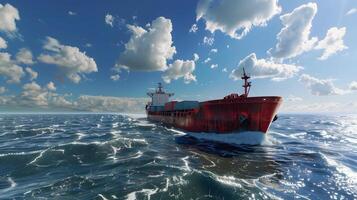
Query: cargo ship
231, 115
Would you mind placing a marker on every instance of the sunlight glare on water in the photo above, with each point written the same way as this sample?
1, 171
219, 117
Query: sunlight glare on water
127, 157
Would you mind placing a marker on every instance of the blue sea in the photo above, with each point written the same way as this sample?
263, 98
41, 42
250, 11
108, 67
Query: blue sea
113, 156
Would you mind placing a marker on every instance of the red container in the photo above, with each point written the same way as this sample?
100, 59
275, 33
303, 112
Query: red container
170, 105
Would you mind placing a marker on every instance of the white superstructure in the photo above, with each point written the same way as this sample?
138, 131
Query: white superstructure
159, 97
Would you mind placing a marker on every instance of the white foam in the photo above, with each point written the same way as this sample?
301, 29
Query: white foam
12, 185
102, 196
115, 125
246, 137
136, 116
187, 167
228, 180
348, 172
37, 157
80, 135
147, 192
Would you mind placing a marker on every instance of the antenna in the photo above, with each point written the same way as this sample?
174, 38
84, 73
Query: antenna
247, 84
159, 87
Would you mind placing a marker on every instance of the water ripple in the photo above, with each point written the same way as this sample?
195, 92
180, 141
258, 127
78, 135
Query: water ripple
106, 156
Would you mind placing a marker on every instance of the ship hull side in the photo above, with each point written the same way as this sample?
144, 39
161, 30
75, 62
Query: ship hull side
223, 116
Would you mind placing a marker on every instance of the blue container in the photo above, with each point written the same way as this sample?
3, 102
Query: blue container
186, 105
157, 108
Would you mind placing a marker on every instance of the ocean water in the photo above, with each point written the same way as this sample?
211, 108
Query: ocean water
104, 156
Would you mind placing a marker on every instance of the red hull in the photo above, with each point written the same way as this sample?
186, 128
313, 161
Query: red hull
223, 115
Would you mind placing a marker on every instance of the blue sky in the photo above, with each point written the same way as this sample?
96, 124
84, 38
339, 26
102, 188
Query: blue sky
307, 83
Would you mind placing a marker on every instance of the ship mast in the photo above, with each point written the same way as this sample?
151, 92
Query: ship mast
247, 84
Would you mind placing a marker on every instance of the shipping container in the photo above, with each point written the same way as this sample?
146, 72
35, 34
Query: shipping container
170, 105
186, 105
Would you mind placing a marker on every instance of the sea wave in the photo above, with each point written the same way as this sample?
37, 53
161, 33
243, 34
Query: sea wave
114, 156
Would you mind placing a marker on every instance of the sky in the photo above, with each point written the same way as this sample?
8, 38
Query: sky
80, 56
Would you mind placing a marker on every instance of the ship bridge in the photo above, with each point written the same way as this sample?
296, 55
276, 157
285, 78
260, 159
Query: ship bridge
159, 97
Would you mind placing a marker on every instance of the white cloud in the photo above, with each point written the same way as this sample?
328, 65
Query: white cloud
32, 94
34, 97
319, 107
148, 49
2, 90
8, 17
109, 19
110, 104
24, 56
236, 18
208, 40
195, 57
352, 11
225, 70
193, 28
332, 43
69, 59
320, 87
293, 98
71, 13
179, 69
261, 68
115, 77
353, 85
214, 51
207, 60
293, 39
88, 45
9, 69
3, 43
32, 73
51, 86
214, 66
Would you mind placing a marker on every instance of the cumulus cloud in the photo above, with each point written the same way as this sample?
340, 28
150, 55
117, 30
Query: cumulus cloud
32, 73
32, 94
51, 86
72, 62
115, 77
194, 28
225, 70
88, 45
320, 87
35, 97
2, 90
71, 13
293, 98
261, 68
352, 11
148, 49
179, 69
294, 37
110, 104
318, 107
24, 56
207, 60
3, 43
208, 40
195, 57
353, 85
214, 66
9, 69
8, 17
332, 43
109, 19
214, 51
236, 18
